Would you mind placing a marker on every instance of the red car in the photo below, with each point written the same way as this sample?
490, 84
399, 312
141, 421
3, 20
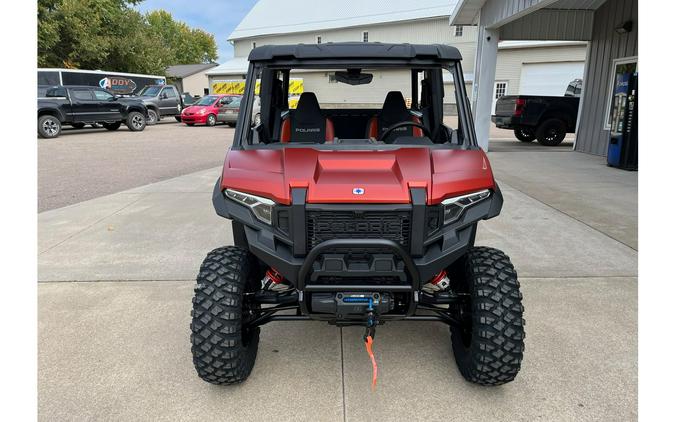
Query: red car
205, 111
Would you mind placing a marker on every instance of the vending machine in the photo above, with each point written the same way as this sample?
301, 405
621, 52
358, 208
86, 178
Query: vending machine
622, 151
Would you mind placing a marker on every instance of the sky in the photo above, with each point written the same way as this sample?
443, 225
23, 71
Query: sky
219, 17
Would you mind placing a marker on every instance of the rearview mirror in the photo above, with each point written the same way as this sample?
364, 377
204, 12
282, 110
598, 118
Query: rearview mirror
353, 77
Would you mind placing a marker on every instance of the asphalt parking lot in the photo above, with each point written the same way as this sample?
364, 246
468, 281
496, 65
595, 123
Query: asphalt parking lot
88, 163
116, 275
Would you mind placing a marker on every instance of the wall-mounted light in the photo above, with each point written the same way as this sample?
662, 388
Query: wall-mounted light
624, 28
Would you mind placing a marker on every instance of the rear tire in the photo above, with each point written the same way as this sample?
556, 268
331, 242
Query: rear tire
551, 132
524, 134
49, 126
223, 349
489, 346
112, 126
153, 117
136, 121
178, 119
211, 120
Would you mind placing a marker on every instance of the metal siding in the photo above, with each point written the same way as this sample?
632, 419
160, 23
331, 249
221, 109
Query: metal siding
269, 17
605, 46
494, 12
551, 24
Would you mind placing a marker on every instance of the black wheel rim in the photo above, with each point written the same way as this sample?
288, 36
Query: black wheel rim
50, 127
552, 134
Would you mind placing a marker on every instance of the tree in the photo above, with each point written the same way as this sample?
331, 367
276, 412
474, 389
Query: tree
186, 44
112, 35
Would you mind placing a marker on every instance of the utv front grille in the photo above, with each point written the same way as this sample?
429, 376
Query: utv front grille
327, 225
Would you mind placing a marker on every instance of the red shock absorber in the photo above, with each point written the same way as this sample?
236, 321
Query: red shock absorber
273, 280
439, 282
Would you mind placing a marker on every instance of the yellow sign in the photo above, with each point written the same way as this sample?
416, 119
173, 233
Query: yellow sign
296, 87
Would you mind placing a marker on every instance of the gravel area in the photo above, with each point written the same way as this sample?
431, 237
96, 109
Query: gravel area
87, 163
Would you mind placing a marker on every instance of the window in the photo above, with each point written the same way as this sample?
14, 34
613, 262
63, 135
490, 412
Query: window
206, 101
56, 92
500, 89
169, 92
102, 95
364, 93
150, 91
48, 78
81, 94
318, 40
459, 30
365, 36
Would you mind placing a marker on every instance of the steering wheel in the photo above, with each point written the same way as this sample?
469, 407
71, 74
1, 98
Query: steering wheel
392, 128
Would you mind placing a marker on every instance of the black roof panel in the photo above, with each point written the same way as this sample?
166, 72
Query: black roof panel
355, 50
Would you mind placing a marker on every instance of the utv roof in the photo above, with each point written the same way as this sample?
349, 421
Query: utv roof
356, 50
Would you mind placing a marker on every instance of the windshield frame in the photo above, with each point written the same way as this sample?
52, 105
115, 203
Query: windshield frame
465, 117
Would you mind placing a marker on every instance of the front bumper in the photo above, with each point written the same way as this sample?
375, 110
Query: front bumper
287, 251
194, 118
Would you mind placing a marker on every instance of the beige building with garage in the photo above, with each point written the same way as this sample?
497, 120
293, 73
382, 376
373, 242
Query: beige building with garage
190, 78
394, 21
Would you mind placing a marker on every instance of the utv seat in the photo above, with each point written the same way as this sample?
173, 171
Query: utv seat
393, 111
307, 123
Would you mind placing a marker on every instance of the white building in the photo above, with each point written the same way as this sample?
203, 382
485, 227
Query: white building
393, 21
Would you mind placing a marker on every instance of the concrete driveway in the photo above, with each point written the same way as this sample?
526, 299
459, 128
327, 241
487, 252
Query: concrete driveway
116, 276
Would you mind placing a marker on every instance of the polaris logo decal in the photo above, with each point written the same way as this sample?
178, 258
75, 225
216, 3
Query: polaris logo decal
358, 191
308, 130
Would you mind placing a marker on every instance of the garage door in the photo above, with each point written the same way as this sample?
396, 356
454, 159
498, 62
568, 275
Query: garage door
549, 78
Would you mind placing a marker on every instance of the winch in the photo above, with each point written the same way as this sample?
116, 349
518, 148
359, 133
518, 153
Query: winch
351, 305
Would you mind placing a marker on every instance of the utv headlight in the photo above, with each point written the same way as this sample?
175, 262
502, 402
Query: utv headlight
454, 207
260, 207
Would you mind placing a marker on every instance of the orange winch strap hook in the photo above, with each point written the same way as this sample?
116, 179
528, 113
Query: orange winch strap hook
369, 349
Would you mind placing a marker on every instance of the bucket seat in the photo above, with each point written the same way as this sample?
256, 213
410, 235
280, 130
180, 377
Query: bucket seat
307, 123
393, 111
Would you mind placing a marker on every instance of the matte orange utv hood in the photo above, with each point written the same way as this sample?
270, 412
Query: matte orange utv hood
383, 176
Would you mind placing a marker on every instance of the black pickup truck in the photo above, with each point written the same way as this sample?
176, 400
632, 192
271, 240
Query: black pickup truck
80, 105
546, 119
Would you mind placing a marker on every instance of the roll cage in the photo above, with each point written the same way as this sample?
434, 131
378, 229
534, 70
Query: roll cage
271, 66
